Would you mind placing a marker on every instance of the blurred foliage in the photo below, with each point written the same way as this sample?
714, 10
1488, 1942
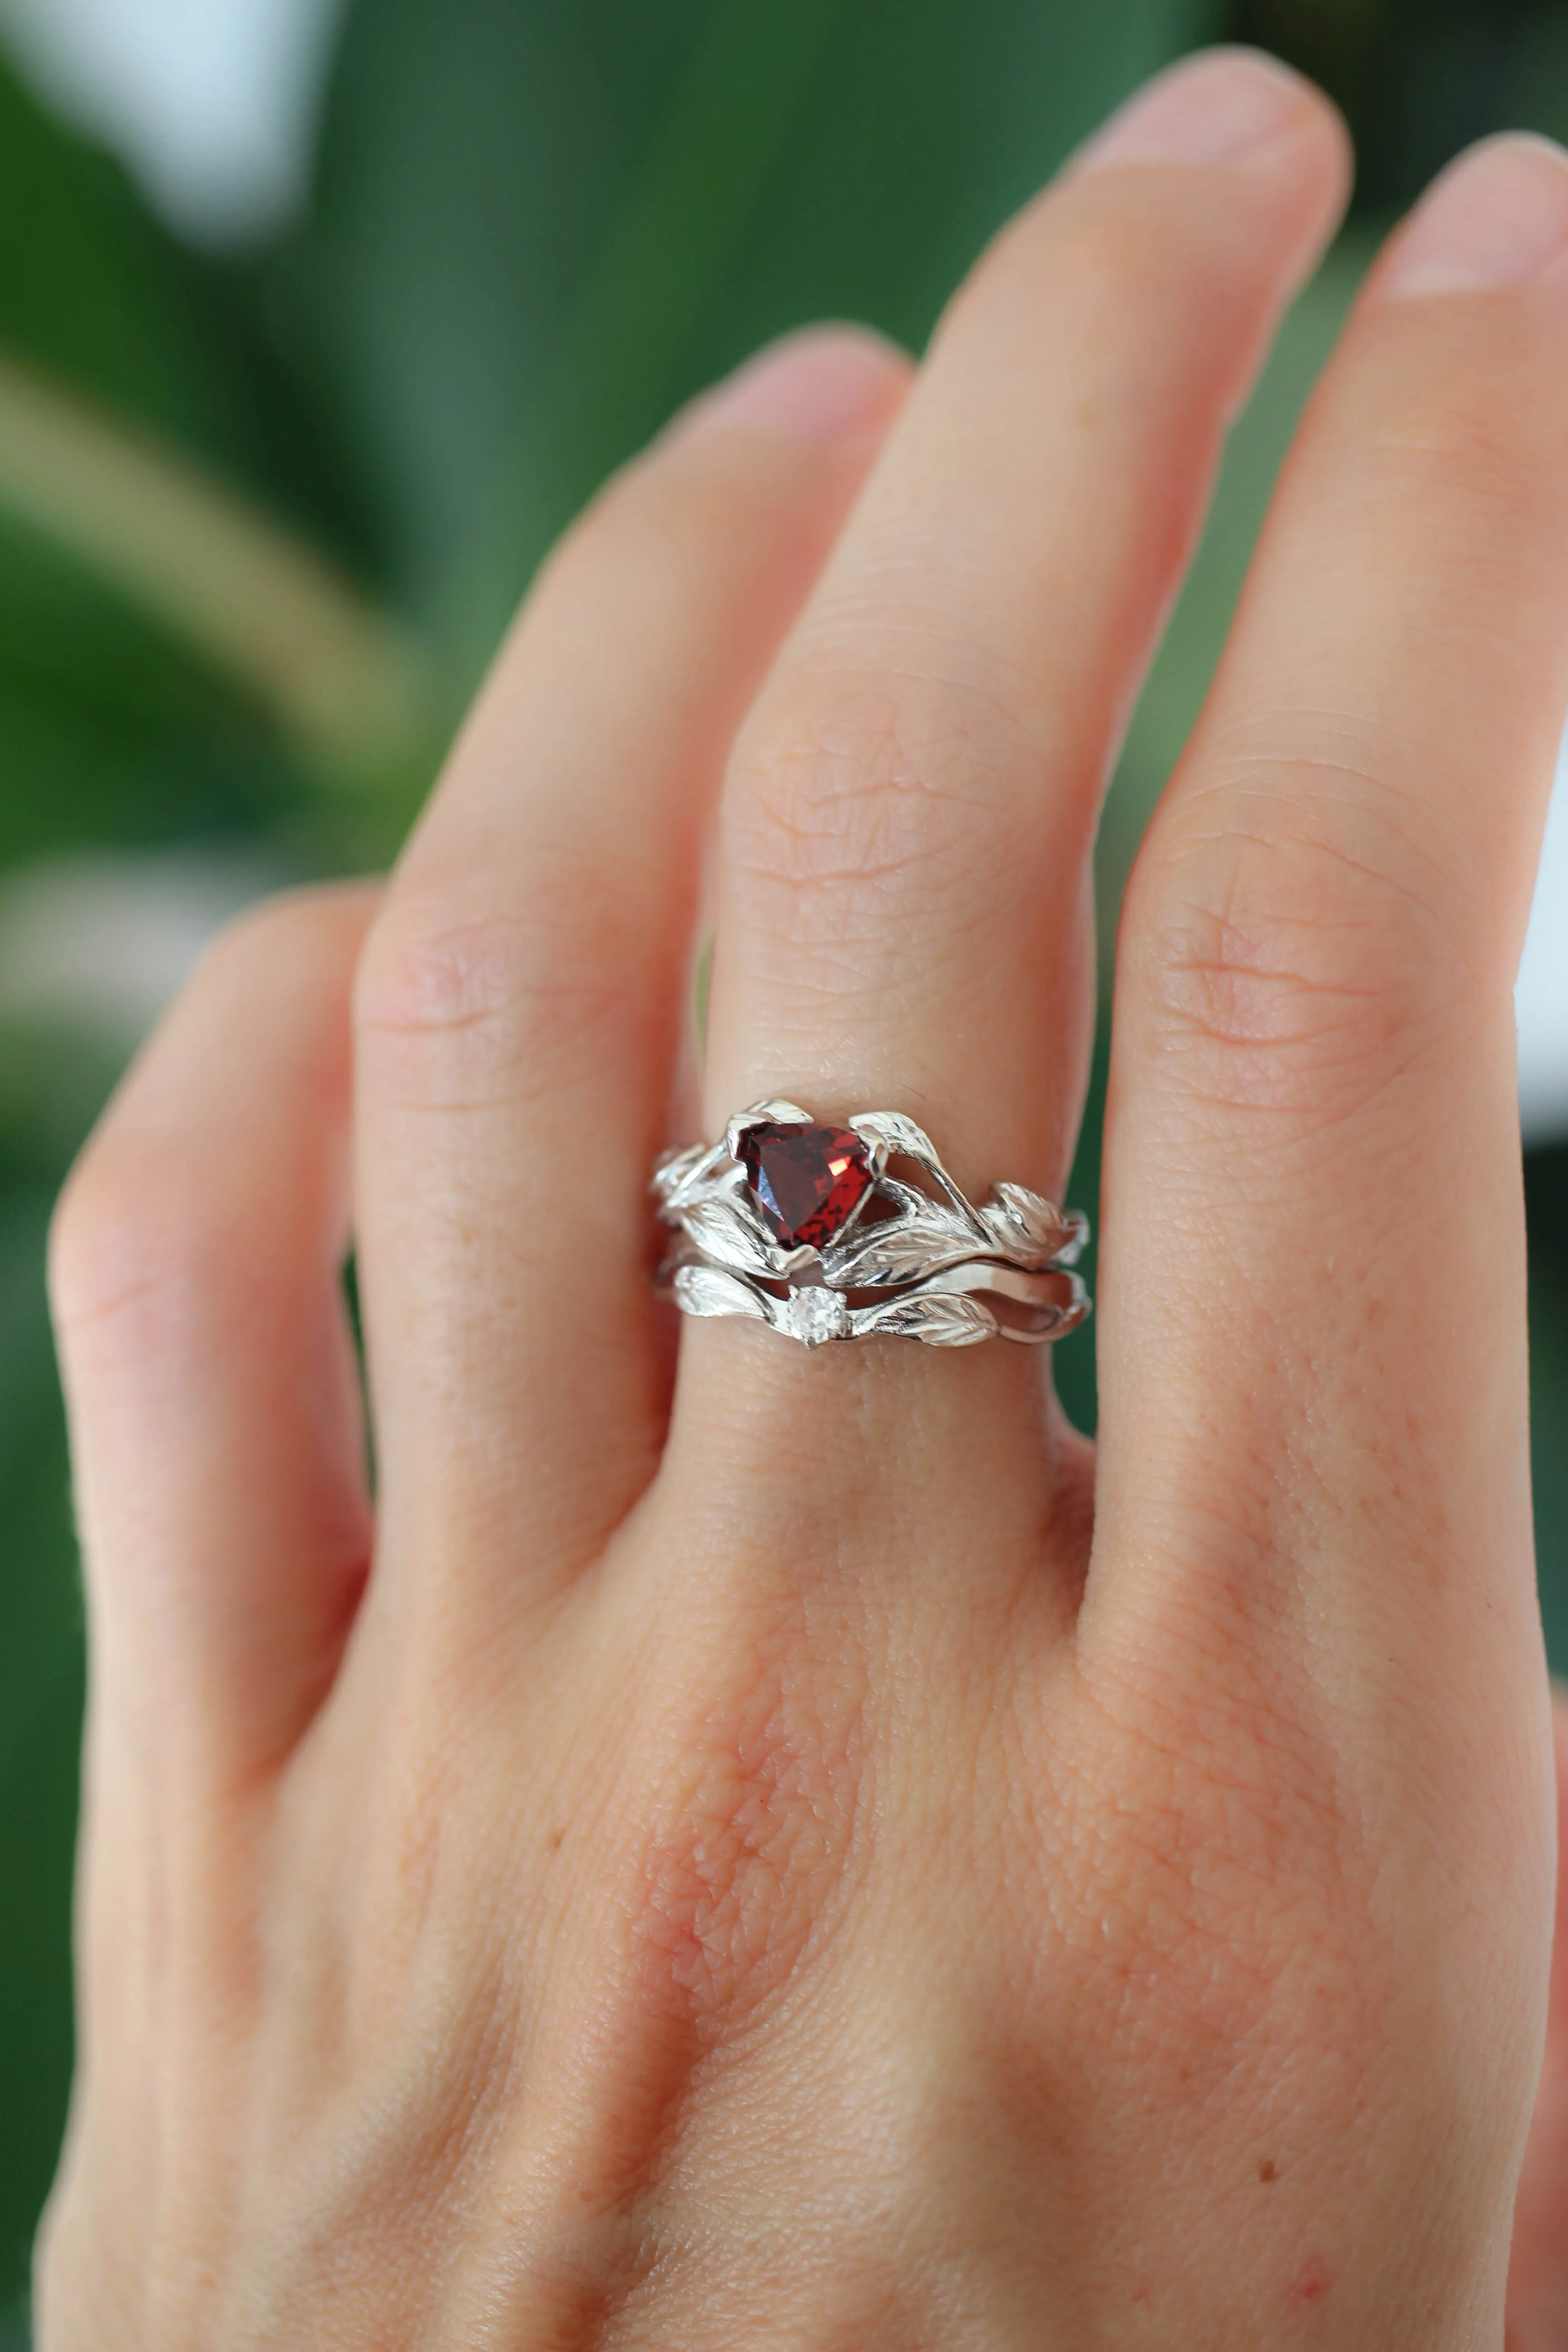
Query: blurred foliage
534, 229
1418, 79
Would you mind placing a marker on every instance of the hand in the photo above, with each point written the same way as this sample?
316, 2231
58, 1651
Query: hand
797, 1856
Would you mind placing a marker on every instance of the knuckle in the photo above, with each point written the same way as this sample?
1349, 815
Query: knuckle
1464, 424
1467, 436
286, 921
670, 504
309, 930
1283, 968
867, 801
1085, 238
139, 1244
662, 515
143, 1235
1471, 475
460, 999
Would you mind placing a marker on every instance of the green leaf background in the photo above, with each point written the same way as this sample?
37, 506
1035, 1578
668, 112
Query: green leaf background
533, 230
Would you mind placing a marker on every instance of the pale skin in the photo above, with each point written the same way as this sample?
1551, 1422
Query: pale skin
798, 1852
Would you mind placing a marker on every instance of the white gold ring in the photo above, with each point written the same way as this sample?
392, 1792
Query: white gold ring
802, 1227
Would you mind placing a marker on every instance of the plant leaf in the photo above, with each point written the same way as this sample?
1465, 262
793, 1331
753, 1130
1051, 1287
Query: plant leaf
219, 575
538, 227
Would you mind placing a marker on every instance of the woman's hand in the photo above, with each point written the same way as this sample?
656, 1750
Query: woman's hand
815, 1864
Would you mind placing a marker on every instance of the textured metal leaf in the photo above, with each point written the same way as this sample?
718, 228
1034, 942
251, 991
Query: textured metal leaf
776, 1109
898, 1134
676, 1169
1077, 1225
709, 1290
894, 1134
943, 1320
1026, 1226
724, 1228
902, 1249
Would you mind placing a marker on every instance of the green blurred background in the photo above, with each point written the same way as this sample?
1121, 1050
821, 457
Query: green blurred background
263, 512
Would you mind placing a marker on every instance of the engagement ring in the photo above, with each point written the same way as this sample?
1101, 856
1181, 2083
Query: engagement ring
801, 1226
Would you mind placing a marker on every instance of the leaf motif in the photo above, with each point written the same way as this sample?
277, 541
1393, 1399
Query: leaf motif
709, 1290
941, 1319
898, 1134
775, 1110
927, 1235
1077, 1235
676, 1170
725, 1229
1023, 1225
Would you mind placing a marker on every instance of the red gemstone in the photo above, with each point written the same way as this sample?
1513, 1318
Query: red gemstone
808, 1181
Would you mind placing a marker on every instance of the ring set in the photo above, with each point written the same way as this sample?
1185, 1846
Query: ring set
802, 1227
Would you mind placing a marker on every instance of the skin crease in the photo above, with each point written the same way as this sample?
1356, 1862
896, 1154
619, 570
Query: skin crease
802, 1855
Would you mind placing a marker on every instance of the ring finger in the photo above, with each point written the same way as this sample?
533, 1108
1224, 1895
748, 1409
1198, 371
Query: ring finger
904, 918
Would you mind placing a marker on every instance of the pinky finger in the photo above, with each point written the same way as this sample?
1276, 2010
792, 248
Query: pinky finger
208, 1368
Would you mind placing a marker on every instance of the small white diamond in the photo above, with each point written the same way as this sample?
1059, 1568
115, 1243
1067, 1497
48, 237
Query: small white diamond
817, 1314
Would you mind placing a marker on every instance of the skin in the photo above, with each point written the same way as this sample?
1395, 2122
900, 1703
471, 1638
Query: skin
795, 1853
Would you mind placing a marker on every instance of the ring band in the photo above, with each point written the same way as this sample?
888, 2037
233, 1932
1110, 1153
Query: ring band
801, 1226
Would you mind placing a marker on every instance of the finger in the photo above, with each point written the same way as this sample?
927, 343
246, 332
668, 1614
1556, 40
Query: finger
209, 1367
904, 909
1313, 1233
521, 1000
1314, 1532
1538, 2268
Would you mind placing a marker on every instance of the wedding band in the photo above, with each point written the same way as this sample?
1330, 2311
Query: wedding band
802, 1227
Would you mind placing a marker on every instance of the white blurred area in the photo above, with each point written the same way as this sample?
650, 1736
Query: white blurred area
1541, 997
211, 102
102, 945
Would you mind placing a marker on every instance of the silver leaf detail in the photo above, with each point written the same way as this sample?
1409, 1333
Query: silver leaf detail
679, 1172
708, 1290
724, 1228
943, 1320
896, 1133
890, 1132
1028, 1227
904, 1248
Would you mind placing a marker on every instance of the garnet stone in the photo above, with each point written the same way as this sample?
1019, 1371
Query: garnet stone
808, 1181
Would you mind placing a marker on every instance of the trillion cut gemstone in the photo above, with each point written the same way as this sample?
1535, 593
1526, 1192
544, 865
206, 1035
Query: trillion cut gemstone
807, 1180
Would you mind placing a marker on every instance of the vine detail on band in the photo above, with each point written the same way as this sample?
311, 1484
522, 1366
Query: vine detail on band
804, 1228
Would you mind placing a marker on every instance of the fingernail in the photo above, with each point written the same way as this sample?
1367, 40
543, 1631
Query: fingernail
1497, 216
825, 384
1209, 109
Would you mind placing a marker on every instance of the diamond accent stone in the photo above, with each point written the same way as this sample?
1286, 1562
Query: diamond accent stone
815, 1314
807, 1181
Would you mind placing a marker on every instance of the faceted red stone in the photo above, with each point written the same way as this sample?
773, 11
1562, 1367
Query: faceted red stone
807, 1180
